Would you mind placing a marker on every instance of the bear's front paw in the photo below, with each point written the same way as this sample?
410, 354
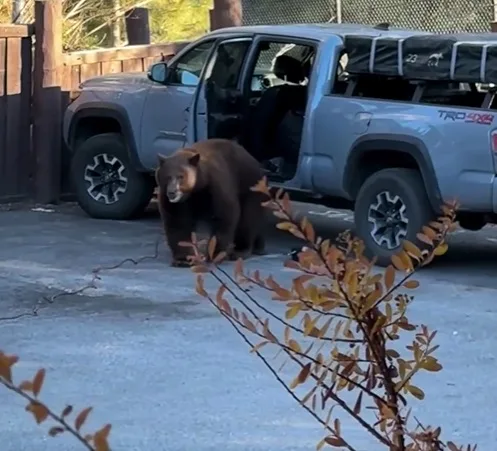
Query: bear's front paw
180, 263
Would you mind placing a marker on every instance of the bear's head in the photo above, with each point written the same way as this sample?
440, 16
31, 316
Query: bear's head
176, 175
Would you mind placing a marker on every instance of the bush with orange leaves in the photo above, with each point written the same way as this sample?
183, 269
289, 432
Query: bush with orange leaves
350, 319
30, 390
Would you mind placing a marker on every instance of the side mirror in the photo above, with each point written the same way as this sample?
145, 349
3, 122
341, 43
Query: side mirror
158, 72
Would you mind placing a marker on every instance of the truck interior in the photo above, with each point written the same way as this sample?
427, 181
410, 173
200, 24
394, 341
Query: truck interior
266, 115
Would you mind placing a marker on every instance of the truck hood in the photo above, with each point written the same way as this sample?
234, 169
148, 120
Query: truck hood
121, 82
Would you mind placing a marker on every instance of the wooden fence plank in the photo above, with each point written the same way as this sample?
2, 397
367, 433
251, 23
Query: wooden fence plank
89, 71
16, 31
133, 65
47, 100
26, 161
13, 92
112, 67
75, 77
121, 54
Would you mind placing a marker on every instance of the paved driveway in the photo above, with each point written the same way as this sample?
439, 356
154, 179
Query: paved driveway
170, 374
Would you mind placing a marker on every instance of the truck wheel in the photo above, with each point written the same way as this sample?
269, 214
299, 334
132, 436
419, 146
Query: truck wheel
106, 184
391, 206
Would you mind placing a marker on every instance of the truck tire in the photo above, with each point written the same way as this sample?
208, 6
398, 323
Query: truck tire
398, 195
106, 184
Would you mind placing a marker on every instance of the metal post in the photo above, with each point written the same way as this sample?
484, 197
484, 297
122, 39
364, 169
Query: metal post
17, 10
339, 10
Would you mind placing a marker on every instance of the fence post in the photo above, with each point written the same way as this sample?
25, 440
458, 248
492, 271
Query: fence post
226, 13
47, 102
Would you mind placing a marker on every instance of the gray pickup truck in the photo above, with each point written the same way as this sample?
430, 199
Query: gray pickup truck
388, 123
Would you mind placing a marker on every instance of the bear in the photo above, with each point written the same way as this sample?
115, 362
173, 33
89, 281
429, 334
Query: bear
211, 181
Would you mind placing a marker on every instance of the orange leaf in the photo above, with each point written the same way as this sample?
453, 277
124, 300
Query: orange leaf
26, 386
248, 324
6, 364
200, 269
304, 373
412, 249
424, 239
398, 263
285, 226
81, 418
286, 202
67, 411
39, 411
211, 247
429, 232
294, 346
389, 277
199, 288
441, 249
334, 441
219, 257
259, 346
357, 405
308, 229
100, 438
55, 430
238, 268
415, 391
293, 311
220, 293
411, 284
38, 381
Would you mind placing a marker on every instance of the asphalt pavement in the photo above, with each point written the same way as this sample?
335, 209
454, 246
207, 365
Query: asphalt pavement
159, 363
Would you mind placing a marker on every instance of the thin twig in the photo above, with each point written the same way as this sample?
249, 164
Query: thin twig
10, 386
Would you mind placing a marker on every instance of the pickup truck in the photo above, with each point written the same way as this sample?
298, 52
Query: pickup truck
385, 122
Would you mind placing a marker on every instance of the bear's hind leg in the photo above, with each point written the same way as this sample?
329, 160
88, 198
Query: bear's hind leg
259, 245
223, 227
249, 238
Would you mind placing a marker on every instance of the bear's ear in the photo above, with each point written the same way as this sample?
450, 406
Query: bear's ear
161, 158
194, 159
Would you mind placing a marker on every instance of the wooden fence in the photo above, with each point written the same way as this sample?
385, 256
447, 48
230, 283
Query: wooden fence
80, 66
36, 80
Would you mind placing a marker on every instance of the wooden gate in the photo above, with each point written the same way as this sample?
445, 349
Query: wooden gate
15, 111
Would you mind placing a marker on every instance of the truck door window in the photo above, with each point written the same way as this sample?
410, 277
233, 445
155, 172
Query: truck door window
228, 62
275, 56
186, 70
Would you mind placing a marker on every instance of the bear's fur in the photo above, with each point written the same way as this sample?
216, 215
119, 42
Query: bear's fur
211, 181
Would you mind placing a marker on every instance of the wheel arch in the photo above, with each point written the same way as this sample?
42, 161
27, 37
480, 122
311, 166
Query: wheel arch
380, 151
95, 118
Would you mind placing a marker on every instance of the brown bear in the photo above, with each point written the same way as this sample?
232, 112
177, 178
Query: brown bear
210, 181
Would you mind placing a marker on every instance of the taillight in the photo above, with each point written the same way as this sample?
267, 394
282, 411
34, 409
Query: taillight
493, 141
493, 146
